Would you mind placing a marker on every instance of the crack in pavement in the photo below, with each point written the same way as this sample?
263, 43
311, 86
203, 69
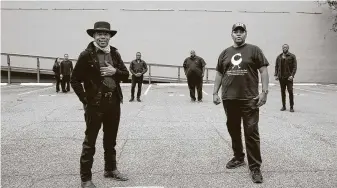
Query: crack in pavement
122, 149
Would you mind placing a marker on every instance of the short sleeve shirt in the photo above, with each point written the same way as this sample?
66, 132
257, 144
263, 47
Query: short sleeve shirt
194, 66
239, 67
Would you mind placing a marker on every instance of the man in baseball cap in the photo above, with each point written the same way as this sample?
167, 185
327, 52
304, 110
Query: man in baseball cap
239, 25
237, 73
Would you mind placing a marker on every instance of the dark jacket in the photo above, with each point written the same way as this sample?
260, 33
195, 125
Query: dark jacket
140, 67
66, 67
56, 69
87, 71
291, 67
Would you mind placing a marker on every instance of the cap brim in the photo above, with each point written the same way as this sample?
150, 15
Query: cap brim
92, 31
235, 28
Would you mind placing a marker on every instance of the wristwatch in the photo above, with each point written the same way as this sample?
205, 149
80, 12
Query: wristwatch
265, 91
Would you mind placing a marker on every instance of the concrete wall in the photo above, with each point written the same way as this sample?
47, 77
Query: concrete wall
166, 37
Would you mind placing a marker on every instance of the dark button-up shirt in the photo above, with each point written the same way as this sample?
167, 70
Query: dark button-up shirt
108, 80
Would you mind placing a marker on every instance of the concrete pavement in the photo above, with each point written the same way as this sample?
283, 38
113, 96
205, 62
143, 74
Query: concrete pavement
167, 141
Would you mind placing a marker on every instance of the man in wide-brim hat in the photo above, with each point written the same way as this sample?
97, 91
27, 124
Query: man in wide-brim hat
101, 68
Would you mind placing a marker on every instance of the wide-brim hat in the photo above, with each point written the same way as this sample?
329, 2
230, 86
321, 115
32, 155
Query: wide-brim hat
101, 26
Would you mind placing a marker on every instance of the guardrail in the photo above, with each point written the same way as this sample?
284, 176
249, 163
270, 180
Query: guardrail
40, 71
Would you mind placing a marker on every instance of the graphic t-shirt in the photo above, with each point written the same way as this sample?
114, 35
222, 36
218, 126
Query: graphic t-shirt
239, 67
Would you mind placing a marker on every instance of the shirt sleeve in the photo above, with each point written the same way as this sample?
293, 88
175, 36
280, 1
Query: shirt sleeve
219, 67
260, 59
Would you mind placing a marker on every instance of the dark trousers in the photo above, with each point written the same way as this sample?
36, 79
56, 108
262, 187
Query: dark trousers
136, 80
58, 82
285, 83
247, 111
108, 114
65, 81
195, 82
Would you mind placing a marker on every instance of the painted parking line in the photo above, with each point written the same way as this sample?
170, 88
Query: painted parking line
47, 95
148, 89
28, 92
311, 91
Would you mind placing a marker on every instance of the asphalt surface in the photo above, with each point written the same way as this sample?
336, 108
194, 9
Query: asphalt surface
167, 141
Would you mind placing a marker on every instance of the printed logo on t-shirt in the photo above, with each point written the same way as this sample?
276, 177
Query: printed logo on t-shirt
236, 68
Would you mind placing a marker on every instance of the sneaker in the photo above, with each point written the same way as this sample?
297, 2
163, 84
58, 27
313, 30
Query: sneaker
131, 100
292, 109
256, 175
192, 100
283, 108
234, 163
200, 100
139, 100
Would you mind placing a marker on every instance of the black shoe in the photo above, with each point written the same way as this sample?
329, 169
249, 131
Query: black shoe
87, 184
200, 100
192, 100
131, 99
292, 109
256, 175
283, 108
115, 174
234, 163
138, 99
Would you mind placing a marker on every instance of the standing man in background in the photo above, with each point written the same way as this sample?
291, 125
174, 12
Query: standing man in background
57, 70
66, 70
101, 68
194, 68
138, 68
237, 73
285, 70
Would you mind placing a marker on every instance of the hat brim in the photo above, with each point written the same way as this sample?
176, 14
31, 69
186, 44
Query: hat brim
92, 31
235, 28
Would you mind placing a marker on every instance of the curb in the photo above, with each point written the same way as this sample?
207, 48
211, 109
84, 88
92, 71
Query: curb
164, 84
36, 84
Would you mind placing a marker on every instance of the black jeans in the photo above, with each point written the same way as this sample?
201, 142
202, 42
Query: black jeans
285, 83
65, 81
195, 82
107, 113
136, 80
247, 111
58, 82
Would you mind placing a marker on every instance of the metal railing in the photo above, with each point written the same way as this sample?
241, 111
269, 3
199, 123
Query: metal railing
38, 71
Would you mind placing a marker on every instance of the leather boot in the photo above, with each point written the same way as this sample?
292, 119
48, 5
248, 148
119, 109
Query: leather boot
87, 184
116, 175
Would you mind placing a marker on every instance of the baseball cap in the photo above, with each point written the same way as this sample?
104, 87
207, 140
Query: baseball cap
242, 25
